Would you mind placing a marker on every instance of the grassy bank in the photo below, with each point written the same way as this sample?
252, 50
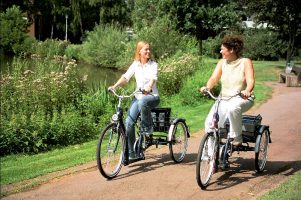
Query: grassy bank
290, 190
16, 168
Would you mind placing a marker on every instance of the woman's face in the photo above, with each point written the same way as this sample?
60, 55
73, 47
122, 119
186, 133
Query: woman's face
226, 53
145, 52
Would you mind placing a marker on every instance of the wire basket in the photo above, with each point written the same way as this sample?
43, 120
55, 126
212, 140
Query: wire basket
161, 119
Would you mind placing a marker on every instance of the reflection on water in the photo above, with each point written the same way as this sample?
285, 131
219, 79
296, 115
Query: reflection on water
96, 75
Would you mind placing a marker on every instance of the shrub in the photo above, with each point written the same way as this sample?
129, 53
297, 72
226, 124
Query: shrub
164, 40
72, 51
211, 47
13, 30
43, 106
51, 48
189, 93
173, 71
262, 44
103, 45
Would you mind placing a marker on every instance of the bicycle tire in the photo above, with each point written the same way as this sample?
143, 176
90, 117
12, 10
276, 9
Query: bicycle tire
179, 142
206, 164
261, 156
110, 150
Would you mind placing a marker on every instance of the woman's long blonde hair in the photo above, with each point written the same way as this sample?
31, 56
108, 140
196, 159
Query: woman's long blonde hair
139, 46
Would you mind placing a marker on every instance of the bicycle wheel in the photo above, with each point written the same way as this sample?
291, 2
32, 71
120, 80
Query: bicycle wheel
262, 154
206, 160
110, 151
179, 142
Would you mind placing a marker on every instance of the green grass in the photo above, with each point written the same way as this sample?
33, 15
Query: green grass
290, 190
16, 168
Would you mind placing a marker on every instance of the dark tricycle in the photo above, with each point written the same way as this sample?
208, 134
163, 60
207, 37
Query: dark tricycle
112, 148
216, 146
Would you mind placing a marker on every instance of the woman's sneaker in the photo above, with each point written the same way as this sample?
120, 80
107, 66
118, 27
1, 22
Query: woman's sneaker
149, 132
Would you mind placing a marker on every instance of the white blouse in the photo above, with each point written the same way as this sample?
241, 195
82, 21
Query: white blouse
143, 75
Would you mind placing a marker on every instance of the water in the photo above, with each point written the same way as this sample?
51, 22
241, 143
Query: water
96, 75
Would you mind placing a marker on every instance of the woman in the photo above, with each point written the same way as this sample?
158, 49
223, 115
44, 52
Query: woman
145, 71
236, 74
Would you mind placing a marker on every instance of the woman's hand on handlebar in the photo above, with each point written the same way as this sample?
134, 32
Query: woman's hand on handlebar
147, 90
245, 94
111, 88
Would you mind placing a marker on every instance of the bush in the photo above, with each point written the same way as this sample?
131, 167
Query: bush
26, 48
51, 48
43, 106
164, 40
72, 51
173, 71
13, 30
262, 44
103, 45
189, 93
211, 47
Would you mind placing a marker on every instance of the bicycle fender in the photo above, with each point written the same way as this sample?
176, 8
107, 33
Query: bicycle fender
261, 130
172, 126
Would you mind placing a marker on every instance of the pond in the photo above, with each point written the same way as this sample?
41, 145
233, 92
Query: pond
96, 75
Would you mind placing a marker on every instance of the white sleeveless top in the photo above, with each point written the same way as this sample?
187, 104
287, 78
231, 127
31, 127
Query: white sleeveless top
233, 77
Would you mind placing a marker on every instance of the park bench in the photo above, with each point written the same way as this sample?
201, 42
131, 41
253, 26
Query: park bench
292, 79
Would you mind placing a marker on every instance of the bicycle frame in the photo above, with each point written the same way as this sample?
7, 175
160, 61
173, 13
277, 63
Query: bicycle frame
118, 119
215, 119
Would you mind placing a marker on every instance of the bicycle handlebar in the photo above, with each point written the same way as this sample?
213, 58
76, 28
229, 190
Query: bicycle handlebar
225, 98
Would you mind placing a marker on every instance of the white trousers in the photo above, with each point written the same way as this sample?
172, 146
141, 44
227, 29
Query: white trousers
233, 110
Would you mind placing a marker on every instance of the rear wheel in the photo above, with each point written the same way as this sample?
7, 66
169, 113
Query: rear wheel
261, 156
206, 160
179, 142
110, 151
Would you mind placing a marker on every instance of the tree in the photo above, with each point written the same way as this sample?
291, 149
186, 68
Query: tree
13, 29
283, 16
113, 12
202, 18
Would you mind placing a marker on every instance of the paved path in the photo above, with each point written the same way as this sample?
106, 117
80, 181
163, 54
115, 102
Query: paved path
159, 178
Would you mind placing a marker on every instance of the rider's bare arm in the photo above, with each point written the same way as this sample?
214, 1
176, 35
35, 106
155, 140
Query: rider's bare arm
249, 73
120, 82
214, 78
149, 88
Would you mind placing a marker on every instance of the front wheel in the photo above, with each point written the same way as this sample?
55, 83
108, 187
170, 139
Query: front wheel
179, 142
262, 153
206, 160
110, 150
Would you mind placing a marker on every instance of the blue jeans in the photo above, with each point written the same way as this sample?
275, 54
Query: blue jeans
144, 107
